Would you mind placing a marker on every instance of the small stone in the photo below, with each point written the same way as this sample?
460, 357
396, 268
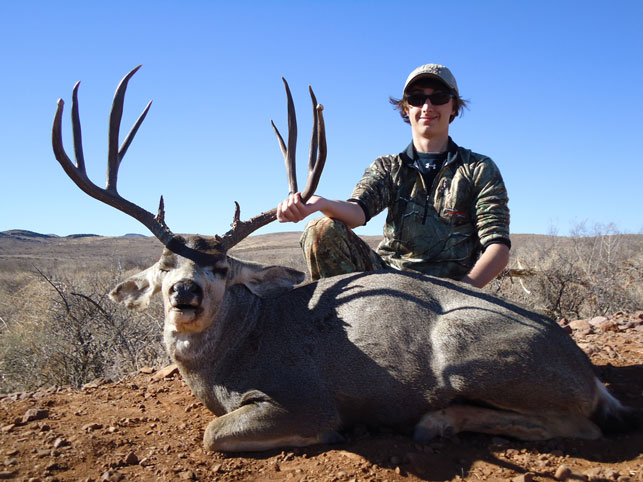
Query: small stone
34, 414
95, 383
562, 472
167, 372
581, 326
131, 459
90, 427
595, 475
597, 320
147, 370
609, 325
60, 442
528, 477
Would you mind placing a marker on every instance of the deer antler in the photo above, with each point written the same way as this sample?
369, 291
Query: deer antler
109, 195
156, 223
317, 159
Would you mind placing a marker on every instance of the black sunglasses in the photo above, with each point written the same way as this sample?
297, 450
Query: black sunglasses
437, 98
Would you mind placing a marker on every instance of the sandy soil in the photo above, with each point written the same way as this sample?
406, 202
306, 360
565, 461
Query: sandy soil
148, 426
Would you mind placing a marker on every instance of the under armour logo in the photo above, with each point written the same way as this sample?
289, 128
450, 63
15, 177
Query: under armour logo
430, 165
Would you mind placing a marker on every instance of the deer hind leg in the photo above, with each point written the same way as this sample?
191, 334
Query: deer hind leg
261, 426
467, 418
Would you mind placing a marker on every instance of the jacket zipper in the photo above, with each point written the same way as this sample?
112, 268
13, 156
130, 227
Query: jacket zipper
428, 193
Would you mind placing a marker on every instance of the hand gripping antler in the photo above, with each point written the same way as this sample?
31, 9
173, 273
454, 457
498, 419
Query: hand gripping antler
317, 159
109, 195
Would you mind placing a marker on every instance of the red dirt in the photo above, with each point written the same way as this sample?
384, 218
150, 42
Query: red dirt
149, 427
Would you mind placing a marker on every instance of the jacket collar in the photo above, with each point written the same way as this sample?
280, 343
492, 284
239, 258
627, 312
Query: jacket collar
409, 155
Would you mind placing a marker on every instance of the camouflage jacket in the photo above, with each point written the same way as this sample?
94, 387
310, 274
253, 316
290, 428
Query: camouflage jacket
439, 229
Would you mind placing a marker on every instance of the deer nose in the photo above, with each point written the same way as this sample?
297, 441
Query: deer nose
187, 291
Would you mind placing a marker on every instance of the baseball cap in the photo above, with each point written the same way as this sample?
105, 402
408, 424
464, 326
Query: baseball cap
434, 71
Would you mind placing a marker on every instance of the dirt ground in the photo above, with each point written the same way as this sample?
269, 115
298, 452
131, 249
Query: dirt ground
148, 426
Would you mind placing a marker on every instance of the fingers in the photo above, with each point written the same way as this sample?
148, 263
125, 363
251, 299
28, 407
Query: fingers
292, 209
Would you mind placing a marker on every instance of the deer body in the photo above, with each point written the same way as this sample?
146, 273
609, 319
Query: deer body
282, 366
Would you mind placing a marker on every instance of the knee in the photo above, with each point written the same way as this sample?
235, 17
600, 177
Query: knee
324, 228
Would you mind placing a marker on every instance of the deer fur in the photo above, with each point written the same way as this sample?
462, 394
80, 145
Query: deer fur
285, 365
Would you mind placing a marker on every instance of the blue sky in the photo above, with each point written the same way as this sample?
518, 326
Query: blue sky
554, 86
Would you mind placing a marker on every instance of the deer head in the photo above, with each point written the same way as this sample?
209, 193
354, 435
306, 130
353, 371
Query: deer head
193, 272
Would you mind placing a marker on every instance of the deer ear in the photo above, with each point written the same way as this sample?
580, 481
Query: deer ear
137, 291
265, 281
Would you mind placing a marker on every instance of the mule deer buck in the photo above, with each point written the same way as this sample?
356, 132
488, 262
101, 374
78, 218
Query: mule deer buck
286, 365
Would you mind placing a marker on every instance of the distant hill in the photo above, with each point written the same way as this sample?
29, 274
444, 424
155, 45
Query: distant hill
75, 236
23, 233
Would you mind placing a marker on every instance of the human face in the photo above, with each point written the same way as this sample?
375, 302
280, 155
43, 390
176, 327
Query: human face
429, 122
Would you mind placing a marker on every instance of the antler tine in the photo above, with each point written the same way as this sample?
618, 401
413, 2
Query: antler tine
312, 154
316, 164
242, 229
113, 156
292, 141
289, 152
75, 122
77, 172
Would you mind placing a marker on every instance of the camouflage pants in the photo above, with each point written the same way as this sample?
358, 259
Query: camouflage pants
332, 248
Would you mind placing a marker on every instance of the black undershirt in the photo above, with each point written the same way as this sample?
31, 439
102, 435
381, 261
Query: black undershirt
429, 164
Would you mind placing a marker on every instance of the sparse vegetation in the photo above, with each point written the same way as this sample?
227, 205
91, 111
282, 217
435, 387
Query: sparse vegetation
69, 333
57, 326
595, 271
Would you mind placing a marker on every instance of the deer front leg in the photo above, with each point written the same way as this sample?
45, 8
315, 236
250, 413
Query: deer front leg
263, 426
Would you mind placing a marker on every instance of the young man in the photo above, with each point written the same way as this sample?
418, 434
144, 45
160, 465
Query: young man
447, 206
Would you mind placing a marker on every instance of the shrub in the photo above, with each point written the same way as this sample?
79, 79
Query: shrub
75, 334
592, 272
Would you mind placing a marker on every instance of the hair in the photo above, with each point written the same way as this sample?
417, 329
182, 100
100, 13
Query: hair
459, 104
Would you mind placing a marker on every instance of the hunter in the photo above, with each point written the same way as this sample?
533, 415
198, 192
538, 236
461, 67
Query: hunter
447, 206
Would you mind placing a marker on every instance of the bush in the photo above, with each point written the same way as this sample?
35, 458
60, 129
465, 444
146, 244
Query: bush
70, 333
592, 272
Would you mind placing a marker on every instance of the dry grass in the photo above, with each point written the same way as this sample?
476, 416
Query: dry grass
57, 326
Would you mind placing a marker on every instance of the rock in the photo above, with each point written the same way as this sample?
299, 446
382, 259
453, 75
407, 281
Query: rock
131, 459
581, 326
595, 475
609, 325
167, 372
111, 476
562, 472
95, 383
90, 427
60, 442
597, 320
34, 414
528, 477
146, 370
